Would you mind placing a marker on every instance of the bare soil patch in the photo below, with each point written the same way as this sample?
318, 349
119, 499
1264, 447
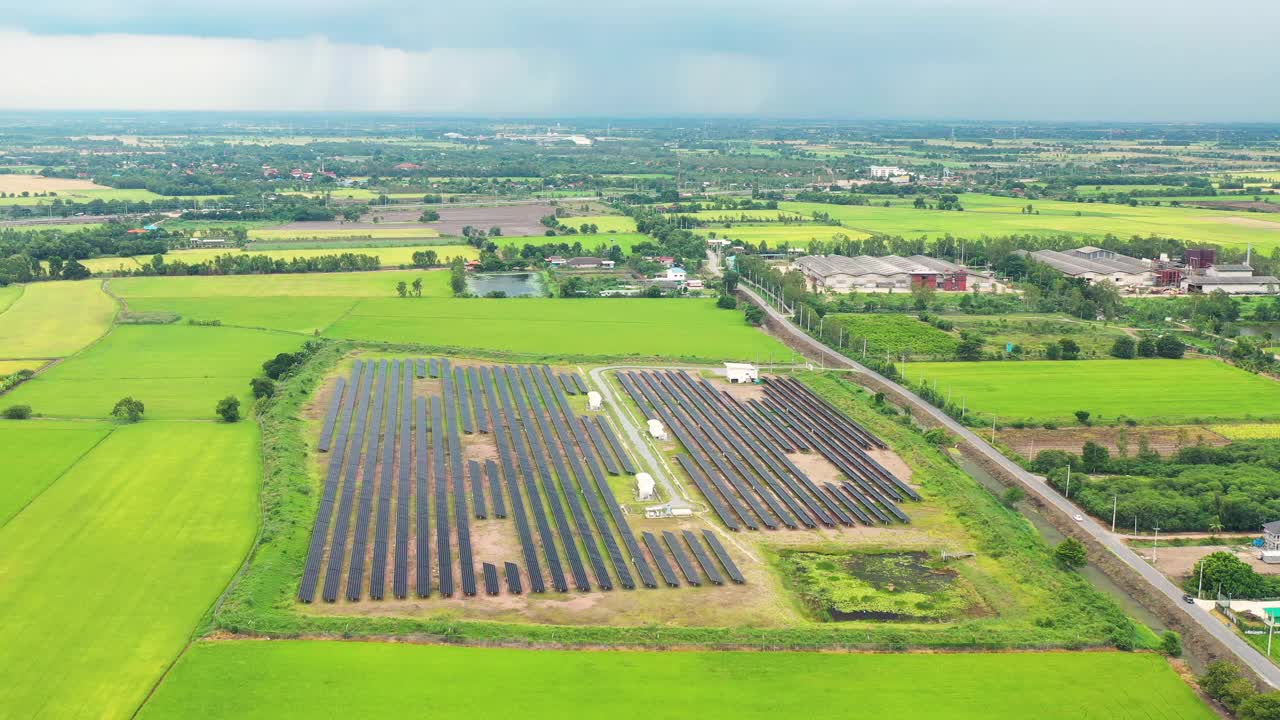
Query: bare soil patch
1178, 562
1163, 440
1244, 222
1247, 205
20, 183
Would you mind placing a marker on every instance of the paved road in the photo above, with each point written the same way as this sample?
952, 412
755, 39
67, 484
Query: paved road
1035, 485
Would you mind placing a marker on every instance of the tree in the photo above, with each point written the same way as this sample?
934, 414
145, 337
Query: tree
1170, 347
352, 214
402, 289
1070, 350
429, 216
1147, 347
730, 281
754, 315
228, 409
1217, 676
1231, 576
1171, 643
1071, 554
1124, 347
653, 291
727, 302
17, 412
276, 367
1053, 351
1264, 706
128, 409
495, 231
923, 296
73, 270
969, 348
1094, 457
417, 287
262, 387
1082, 417
458, 276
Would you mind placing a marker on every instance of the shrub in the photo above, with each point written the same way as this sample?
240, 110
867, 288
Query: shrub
1014, 495
1125, 348
1171, 643
1082, 417
17, 412
262, 387
228, 409
1260, 707
727, 302
1070, 553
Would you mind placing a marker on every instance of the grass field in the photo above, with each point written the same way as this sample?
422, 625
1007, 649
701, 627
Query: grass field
1032, 332
9, 294
776, 234
989, 215
624, 240
1248, 431
387, 256
177, 371
86, 196
106, 574
1166, 391
414, 231
600, 327
36, 453
105, 265
354, 284
299, 679
9, 367
55, 319
604, 223
894, 333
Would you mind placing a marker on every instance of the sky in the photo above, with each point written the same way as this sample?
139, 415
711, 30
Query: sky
1120, 60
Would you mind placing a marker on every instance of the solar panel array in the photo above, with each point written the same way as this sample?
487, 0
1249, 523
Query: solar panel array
737, 453
401, 459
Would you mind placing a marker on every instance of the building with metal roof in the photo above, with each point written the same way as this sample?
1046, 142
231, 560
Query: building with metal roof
1095, 264
840, 273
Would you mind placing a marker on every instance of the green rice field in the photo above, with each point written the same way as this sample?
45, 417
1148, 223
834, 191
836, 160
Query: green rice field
55, 319
301, 679
1168, 391
387, 256
89, 195
775, 234
108, 571
604, 223
35, 454
353, 284
624, 240
619, 327
989, 215
178, 371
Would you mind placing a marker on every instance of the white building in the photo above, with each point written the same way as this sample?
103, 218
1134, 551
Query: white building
741, 372
676, 274
884, 172
594, 400
1270, 542
656, 431
645, 487
1095, 265
841, 274
1232, 280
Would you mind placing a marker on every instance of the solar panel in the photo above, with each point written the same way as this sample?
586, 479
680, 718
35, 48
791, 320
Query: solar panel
513, 578
341, 530
422, 552
381, 533
730, 567
404, 446
463, 392
627, 466
433, 368
690, 574
477, 401
708, 566
664, 567
582, 386
603, 451
330, 417
477, 489
490, 578
570, 386
440, 482
495, 489
505, 437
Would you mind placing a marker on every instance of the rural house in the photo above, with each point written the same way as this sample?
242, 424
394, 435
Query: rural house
583, 263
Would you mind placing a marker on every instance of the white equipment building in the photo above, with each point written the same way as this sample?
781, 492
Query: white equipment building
741, 372
595, 401
656, 431
644, 486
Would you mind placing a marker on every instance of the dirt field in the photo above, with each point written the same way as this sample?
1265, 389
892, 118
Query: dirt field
1178, 562
513, 219
37, 183
1247, 205
1164, 440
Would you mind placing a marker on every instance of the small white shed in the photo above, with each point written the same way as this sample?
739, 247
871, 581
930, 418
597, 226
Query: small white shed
741, 372
595, 401
644, 486
656, 431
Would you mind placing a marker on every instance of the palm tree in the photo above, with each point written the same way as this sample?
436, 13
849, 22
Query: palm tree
1215, 525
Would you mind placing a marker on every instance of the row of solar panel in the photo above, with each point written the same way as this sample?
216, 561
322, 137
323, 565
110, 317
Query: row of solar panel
534, 429
737, 453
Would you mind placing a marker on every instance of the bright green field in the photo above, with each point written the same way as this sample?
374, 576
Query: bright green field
105, 575
600, 327
85, 196
988, 215
36, 453
354, 284
9, 367
300, 679
390, 231
604, 223
55, 319
777, 233
624, 240
1161, 390
177, 371
9, 294
105, 265
387, 256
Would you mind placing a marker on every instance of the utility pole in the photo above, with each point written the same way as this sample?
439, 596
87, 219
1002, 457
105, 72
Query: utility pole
1155, 539
1068, 494
993, 433
1114, 499
1200, 589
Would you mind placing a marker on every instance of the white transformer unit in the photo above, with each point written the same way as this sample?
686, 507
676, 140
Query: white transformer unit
644, 486
595, 400
656, 431
741, 372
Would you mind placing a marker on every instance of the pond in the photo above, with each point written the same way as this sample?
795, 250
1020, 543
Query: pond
510, 284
